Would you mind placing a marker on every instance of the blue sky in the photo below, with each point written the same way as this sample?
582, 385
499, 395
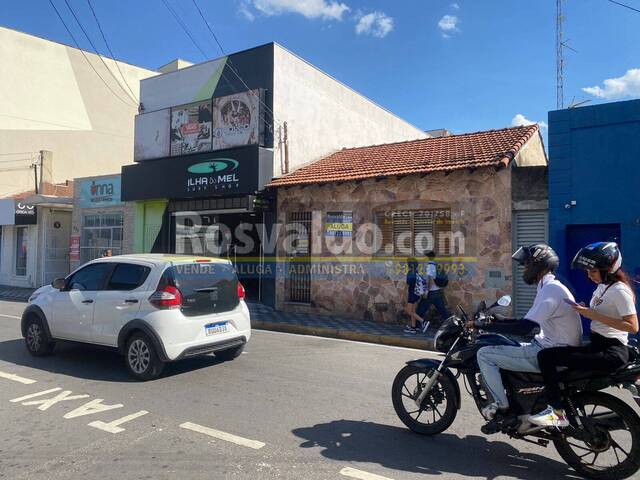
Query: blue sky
466, 65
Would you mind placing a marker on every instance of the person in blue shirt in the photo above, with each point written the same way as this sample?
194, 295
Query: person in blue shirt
415, 321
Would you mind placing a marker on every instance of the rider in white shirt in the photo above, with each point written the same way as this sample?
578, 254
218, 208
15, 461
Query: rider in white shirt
612, 312
559, 325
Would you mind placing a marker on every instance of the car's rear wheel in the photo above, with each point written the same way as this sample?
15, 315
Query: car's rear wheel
229, 353
142, 358
36, 338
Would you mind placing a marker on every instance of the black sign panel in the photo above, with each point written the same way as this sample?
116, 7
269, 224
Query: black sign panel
224, 172
25, 214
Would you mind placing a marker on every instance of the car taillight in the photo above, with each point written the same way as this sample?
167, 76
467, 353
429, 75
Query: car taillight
241, 292
166, 297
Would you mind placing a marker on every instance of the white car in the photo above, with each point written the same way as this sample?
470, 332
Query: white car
153, 308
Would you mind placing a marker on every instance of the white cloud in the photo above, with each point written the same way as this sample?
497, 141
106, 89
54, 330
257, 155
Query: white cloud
246, 12
627, 85
455, 6
520, 120
327, 10
448, 25
377, 24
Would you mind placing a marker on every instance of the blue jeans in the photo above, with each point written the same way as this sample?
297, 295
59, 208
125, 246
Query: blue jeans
518, 359
435, 298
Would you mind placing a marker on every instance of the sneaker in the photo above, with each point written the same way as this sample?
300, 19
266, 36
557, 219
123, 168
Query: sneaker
550, 417
425, 327
410, 329
489, 411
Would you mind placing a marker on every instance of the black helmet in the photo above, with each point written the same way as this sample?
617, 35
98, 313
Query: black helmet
536, 259
605, 256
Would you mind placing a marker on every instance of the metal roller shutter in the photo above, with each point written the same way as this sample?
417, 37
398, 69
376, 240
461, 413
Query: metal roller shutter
529, 227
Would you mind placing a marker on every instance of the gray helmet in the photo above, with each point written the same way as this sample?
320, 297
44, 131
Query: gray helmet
536, 259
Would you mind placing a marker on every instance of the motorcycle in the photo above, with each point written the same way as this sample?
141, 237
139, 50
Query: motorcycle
603, 439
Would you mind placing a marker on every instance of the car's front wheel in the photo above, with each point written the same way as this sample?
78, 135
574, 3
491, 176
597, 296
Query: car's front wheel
142, 358
36, 338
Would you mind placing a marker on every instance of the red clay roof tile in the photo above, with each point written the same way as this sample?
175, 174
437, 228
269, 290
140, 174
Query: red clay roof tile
470, 150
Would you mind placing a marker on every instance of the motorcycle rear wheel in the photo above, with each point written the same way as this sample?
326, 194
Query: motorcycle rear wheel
406, 388
622, 451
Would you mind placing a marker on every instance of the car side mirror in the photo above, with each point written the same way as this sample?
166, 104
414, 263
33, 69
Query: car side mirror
59, 283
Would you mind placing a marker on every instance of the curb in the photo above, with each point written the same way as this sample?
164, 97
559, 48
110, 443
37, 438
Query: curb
395, 341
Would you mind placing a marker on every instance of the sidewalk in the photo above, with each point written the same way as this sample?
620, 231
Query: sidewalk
15, 294
266, 318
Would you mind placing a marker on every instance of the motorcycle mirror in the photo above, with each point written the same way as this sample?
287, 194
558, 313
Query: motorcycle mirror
504, 301
482, 306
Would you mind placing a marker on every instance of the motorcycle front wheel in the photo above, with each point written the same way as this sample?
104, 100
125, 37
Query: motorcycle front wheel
437, 411
612, 450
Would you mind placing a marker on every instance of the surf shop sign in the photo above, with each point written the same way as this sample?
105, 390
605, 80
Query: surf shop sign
213, 175
238, 171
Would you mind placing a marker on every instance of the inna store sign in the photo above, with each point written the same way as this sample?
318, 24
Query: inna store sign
100, 192
229, 172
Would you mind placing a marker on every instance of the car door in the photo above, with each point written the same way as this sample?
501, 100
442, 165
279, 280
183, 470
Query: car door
73, 307
120, 301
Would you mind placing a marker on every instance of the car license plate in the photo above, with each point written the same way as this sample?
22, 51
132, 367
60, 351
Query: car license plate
215, 328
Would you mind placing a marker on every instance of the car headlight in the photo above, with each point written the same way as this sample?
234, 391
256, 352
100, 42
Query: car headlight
33, 297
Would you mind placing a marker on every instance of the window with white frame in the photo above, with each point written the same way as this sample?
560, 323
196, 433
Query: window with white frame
101, 232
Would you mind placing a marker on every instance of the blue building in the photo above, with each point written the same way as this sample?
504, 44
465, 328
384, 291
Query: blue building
594, 184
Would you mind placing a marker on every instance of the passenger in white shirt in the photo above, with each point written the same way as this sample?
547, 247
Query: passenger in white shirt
559, 325
612, 312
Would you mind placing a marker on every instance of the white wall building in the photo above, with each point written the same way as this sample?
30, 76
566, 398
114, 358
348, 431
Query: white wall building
52, 100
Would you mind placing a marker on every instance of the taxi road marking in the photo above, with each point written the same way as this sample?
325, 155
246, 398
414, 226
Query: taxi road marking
361, 475
16, 378
112, 427
227, 437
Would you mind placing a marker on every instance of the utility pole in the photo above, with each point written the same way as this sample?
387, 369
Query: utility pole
34, 165
559, 57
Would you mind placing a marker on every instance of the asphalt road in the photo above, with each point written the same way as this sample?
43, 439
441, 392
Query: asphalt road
290, 407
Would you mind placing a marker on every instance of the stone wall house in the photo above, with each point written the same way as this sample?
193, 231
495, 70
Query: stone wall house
353, 219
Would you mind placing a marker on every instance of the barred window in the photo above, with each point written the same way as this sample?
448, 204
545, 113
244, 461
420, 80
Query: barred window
414, 232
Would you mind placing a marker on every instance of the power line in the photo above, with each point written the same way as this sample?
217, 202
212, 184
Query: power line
85, 56
625, 6
184, 27
186, 30
17, 153
95, 49
111, 52
231, 66
17, 160
215, 37
16, 169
